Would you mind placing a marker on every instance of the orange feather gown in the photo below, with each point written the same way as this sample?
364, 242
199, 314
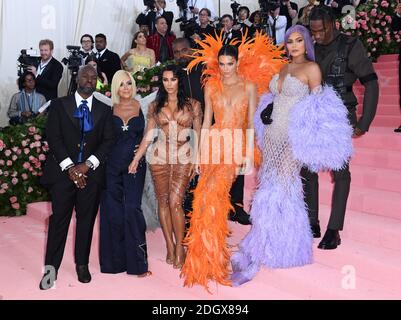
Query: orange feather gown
208, 255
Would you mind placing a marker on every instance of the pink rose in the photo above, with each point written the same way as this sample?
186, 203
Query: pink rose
384, 4
9, 163
34, 173
2, 145
30, 190
378, 31
26, 165
7, 153
13, 199
15, 206
1, 172
4, 186
14, 149
15, 173
19, 151
14, 181
373, 12
42, 157
2, 162
24, 176
2, 191
370, 40
32, 130
383, 23
24, 143
37, 137
26, 151
14, 157
37, 144
6, 173
388, 19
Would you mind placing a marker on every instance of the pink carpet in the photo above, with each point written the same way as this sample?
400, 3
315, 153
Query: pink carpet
366, 266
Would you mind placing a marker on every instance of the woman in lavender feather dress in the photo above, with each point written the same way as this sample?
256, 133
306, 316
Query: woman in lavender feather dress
304, 124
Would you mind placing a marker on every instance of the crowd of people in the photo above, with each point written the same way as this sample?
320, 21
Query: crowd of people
301, 110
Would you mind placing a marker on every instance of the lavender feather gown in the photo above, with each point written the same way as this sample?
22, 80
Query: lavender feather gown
301, 134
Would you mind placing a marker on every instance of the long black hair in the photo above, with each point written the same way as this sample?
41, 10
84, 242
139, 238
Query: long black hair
229, 50
162, 95
93, 58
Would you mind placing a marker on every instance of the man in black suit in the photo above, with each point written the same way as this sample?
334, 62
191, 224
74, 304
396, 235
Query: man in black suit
396, 26
149, 16
49, 71
228, 32
108, 61
80, 134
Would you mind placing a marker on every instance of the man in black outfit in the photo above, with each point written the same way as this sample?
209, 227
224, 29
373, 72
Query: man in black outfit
396, 26
49, 71
229, 33
194, 90
80, 134
342, 60
108, 61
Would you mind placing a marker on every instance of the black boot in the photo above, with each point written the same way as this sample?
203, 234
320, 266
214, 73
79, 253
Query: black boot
330, 240
83, 274
240, 216
398, 129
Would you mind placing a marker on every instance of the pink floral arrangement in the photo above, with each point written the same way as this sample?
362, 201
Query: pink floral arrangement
372, 25
22, 154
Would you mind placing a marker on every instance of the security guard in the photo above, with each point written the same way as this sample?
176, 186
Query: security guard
342, 59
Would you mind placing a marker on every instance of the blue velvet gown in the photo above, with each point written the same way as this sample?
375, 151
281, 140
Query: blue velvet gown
122, 224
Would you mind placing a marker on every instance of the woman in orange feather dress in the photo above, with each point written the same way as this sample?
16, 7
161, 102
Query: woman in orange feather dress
233, 77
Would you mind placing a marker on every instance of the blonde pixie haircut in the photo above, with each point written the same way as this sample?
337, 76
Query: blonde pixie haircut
116, 83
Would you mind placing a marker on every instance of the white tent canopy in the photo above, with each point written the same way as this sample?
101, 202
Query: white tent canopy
25, 22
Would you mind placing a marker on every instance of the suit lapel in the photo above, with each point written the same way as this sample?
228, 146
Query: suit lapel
96, 111
70, 108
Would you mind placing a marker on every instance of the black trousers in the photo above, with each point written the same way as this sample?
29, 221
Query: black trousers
342, 184
65, 196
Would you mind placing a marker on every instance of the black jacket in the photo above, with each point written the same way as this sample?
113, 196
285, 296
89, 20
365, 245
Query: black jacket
150, 20
109, 63
47, 82
64, 137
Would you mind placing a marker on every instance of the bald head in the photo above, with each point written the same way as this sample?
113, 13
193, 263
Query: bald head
86, 80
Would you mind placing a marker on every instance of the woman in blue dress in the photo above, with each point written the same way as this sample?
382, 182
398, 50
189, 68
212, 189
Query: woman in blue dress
122, 224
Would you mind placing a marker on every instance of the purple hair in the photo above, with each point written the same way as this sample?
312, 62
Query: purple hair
310, 51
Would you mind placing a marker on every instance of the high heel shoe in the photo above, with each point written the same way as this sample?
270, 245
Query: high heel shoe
170, 256
179, 257
146, 274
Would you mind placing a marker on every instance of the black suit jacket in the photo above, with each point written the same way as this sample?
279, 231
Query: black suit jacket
396, 26
109, 63
64, 137
150, 20
236, 34
47, 82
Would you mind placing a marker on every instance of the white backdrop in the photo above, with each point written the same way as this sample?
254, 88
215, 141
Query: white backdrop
25, 22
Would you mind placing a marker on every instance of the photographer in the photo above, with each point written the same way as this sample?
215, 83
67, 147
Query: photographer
277, 25
25, 104
243, 23
289, 10
194, 8
154, 10
205, 27
87, 44
49, 71
229, 33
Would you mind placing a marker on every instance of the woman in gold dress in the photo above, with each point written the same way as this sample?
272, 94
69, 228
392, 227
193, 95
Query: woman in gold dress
172, 160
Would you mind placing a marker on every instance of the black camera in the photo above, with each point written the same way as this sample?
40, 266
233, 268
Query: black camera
28, 58
234, 7
74, 60
182, 4
189, 27
150, 4
269, 5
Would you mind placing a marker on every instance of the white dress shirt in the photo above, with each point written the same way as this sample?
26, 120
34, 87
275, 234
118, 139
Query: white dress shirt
95, 161
281, 24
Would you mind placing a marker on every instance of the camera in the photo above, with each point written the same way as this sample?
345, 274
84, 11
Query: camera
234, 7
74, 60
28, 58
189, 27
269, 5
150, 4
